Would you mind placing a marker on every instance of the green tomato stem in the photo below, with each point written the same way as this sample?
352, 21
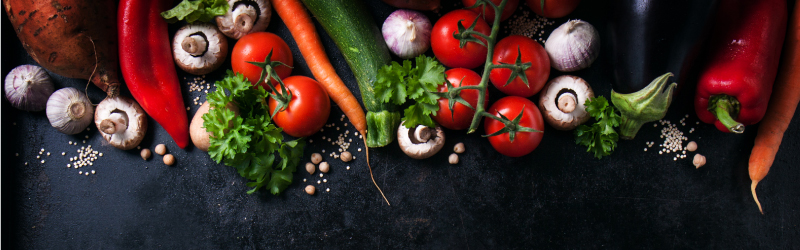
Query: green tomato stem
490, 42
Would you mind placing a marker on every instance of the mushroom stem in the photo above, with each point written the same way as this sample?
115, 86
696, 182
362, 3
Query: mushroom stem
246, 19
567, 102
422, 134
195, 45
114, 123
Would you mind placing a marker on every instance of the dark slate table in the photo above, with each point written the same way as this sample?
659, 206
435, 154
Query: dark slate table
557, 196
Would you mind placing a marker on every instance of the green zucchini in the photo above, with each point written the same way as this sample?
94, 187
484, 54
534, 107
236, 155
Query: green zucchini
349, 24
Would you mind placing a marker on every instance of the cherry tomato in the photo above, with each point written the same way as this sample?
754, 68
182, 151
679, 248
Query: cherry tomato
446, 47
506, 51
461, 116
307, 111
553, 8
255, 47
511, 5
524, 142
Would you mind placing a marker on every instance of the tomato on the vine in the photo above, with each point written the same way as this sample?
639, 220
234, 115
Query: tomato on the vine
255, 47
506, 51
308, 110
524, 142
447, 48
553, 8
511, 5
461, 116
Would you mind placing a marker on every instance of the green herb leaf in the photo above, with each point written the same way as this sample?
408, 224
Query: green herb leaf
196, 10
398, 83
248, 141
600, 138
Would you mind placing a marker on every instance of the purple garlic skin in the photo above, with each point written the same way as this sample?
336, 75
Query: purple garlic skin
573, 46
28, 87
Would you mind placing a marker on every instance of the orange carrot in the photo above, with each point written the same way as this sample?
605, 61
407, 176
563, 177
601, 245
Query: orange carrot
782, 105
296, 18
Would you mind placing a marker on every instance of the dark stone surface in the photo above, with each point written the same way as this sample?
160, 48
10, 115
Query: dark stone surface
557, 196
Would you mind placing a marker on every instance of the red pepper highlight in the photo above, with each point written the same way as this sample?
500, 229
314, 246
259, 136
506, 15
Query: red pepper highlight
147, 65
743, 54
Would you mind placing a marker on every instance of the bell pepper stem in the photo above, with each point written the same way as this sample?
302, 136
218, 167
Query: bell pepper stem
643, 106
722, 106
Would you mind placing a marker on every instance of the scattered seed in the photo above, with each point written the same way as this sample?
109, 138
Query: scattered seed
323, 167
161, 149
310, 189
169, 159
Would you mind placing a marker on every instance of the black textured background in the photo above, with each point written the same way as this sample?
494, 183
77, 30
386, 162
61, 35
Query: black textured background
557, 196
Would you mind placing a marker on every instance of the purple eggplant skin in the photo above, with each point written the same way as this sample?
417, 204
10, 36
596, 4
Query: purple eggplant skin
652, 37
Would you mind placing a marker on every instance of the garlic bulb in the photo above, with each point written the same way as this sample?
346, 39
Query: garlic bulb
407, 33
28, 87
69, 111
573, 46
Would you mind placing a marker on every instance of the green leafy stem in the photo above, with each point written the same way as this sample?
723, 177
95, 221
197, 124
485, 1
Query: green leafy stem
467, 34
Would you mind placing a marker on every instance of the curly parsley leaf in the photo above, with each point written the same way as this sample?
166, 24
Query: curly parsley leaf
600, 138
248, 141
388, 87
398, 83
196, 10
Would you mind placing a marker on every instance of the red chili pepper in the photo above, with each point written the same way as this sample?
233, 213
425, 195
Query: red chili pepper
147, 65
744, 51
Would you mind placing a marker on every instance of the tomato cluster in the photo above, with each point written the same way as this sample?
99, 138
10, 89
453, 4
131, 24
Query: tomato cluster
512, 50
309, 107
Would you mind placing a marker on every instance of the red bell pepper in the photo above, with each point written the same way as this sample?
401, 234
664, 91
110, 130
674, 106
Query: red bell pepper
744, 51
147, 65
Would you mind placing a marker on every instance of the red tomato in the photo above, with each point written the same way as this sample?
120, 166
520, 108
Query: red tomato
461, 116
553, 8
307, 111
446, 47
511, 5
255, 47
524, 142
506, 51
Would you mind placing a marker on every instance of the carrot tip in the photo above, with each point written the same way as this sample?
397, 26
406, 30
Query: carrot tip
370, 173
755, 197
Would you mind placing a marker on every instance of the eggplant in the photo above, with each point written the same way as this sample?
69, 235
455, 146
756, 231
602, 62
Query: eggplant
652, 41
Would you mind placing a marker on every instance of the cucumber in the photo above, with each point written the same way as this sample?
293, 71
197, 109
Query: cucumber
349, 24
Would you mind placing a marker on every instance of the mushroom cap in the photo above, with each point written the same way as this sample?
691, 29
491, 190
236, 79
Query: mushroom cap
200, 137
137, 121
211, 59
227, 25
419, 150
565, 85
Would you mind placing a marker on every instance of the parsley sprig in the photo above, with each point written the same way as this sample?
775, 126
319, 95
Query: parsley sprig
398, 83
196, 10
600, 138
249, 141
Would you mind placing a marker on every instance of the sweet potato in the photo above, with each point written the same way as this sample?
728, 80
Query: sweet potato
72, 38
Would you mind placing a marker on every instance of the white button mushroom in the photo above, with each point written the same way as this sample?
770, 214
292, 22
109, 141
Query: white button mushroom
244, 17
121, 121
420, 143
199, 48
562, 102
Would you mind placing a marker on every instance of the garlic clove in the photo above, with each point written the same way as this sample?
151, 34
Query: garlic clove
407, 33
28, 87
69, 111
573, 46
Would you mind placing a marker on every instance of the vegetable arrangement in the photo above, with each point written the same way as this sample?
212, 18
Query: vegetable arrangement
248, 141
236, 125
359, 39
781, 108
